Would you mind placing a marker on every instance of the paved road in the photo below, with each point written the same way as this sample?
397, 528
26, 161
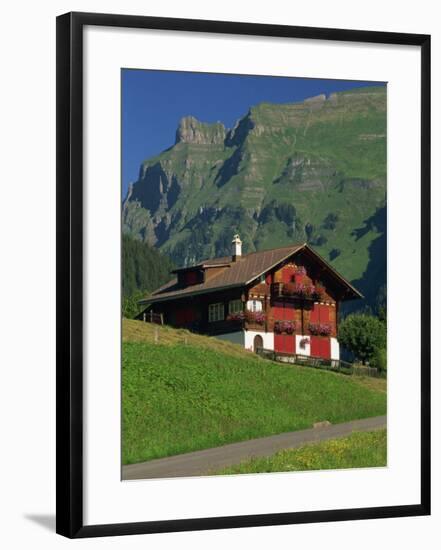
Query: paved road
200, 462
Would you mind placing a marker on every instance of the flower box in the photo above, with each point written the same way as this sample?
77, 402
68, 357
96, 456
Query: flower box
303, 291
289, 327
257, 317
320, 329
239, 316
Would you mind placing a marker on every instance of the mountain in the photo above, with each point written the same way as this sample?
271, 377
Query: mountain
312, 171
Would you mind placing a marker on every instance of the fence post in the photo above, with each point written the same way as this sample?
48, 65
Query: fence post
156, 335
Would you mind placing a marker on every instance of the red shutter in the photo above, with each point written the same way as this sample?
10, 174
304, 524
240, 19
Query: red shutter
315, 314
289, 312
325, 348
278, 342
315, 346
324, 314
285, 343
278, 311
290, 343
320, 347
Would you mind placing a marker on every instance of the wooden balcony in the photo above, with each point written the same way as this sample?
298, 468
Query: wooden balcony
285, 290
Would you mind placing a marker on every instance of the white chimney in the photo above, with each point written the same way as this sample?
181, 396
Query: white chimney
237, 247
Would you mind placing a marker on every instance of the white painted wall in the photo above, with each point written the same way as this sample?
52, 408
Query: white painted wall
268, 339
335, 349
307, 349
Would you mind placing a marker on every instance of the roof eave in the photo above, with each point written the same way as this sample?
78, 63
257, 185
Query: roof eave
153, 299
200, 266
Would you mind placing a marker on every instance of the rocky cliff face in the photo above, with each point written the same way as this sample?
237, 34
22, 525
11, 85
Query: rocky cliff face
190, 130
278, 176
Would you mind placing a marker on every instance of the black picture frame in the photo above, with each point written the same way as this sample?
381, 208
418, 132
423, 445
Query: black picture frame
69, 295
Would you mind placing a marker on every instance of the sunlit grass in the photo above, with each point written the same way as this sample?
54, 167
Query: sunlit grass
359, 450
183, 392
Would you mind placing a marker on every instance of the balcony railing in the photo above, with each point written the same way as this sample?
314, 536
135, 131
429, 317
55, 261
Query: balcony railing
336, 365
297, 291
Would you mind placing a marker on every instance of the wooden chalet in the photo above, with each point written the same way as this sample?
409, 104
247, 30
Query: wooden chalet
284, 299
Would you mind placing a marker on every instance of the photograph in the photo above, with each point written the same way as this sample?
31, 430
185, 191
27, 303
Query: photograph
254, 274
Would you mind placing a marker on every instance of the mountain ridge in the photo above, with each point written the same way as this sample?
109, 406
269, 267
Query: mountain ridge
313, 170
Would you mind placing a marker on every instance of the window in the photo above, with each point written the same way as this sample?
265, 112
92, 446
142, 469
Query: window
216, 312
235, 306
254, 305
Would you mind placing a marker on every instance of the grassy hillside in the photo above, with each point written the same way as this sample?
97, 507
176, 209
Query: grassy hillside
359, 450
183, 392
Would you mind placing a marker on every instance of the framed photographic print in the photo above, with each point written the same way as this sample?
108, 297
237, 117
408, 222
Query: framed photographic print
243, 288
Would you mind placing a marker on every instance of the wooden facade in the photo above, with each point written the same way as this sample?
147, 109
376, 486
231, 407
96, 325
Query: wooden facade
291, 306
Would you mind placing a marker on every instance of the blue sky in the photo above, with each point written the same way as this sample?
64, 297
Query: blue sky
153, 102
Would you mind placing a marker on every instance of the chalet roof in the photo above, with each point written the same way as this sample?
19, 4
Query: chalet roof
225, 261
237, 273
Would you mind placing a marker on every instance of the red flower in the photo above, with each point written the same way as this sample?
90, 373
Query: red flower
320, 329
285, 326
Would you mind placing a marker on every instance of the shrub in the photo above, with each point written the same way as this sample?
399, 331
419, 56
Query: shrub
363, 335
379, 359
335, 253
130, 306
330, 221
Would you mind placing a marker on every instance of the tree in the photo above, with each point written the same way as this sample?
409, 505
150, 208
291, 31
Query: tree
363, 335
330, 221
335, 253
130, 305
381, 303
143, 267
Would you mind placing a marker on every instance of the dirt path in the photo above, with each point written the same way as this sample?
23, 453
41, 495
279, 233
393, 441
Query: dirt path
200, 462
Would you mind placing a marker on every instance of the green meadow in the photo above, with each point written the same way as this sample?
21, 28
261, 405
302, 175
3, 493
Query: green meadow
183, 392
